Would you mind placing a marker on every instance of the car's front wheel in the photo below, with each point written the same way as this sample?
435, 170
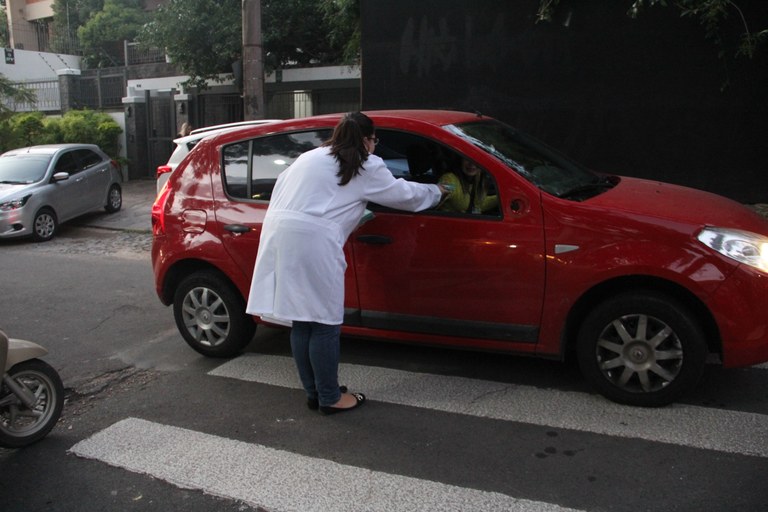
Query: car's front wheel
44, 225
210, 314
641, 349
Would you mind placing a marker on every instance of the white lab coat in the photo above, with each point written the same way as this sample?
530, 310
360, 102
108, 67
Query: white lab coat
299, 271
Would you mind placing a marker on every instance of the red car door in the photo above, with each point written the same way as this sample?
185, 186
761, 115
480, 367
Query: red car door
470, 276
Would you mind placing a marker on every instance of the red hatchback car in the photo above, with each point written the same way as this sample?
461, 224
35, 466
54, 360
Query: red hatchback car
640, 280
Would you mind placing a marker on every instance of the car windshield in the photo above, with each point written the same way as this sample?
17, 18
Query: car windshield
23, 169
549, 170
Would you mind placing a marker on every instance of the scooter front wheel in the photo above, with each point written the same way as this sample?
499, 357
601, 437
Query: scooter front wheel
19, 424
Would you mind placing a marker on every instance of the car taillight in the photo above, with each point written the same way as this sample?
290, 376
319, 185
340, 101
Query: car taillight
158, 210
162, 169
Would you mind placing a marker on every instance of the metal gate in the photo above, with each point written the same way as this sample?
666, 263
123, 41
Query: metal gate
212, 109
161, 123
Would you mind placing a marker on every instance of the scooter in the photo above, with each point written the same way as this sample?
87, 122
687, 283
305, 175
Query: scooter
31, 393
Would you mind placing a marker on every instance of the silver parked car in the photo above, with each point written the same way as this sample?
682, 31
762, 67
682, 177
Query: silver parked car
42, 186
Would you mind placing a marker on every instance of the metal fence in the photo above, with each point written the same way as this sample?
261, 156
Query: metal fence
47, 93
95, 90
288, 104
135, 54
101, 91
37, 36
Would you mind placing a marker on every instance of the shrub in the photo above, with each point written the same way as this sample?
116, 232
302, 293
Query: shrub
81, 126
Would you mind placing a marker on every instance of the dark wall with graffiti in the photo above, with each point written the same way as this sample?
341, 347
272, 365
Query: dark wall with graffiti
645, 97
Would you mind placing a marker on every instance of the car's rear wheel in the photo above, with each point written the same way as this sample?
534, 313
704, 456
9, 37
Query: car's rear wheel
641, 349
44, 225
114, 199
210, 314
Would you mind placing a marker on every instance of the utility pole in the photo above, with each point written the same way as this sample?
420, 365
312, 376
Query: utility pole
253, 61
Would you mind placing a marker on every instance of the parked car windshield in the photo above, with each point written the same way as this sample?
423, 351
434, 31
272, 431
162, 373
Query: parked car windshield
549, 170
23, 168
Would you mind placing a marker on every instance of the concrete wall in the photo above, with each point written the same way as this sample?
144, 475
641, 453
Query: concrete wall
31, 65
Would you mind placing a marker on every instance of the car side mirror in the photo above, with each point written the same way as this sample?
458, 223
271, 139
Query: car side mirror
61, 176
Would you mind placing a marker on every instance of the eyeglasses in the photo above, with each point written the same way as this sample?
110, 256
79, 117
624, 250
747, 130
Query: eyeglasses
374, 139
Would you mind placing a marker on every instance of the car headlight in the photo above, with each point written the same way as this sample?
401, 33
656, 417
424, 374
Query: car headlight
14, 204
742, 246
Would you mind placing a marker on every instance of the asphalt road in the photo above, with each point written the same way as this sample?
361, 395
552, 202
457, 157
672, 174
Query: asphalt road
150, 425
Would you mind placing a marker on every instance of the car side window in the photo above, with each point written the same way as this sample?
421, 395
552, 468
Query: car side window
88, 158
251, 167
417, 158
67, 163
411, 157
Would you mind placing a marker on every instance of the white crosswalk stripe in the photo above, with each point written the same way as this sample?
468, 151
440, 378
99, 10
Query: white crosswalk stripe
699, 427
279, 480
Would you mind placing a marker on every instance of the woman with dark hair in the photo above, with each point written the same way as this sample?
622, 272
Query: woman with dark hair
298, 278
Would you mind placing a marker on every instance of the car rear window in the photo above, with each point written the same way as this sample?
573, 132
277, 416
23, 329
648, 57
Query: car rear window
250, 167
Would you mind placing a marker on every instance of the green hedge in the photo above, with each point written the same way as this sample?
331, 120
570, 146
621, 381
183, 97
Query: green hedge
81, 126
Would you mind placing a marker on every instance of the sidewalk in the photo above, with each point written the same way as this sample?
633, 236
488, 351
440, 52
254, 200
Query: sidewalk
135, 215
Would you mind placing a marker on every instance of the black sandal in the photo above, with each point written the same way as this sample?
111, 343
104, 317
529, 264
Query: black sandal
333, 410
314, 403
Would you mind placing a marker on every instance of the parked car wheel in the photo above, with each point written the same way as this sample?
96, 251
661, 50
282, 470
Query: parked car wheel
641, 349
114, 199
210, 314
44, 225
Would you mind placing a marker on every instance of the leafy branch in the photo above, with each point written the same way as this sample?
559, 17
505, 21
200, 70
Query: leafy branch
711, 13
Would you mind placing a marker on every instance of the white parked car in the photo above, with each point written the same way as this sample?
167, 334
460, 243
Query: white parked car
185, 144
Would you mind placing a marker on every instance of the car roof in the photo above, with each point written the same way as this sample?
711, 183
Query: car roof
436, 118
194, 137
233, 125
47, 149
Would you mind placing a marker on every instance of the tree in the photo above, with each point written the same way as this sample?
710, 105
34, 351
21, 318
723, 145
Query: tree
302, 32
202, 37
712, 15
4, 39
343, 19
68, 16
103, 34
294, 33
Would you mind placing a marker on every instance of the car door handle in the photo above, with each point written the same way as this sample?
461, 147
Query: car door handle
374, 239
237, 228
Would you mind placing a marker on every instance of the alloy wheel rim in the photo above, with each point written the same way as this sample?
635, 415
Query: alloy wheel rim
44, 226
639, 353
206, 316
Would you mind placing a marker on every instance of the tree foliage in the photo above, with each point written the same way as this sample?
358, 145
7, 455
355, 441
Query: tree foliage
343, 20
68, 16
303, 33
102, 36
294, 33
712, 15
203, 38
4, 39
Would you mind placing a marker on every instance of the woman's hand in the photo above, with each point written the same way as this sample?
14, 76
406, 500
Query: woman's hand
445, 188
